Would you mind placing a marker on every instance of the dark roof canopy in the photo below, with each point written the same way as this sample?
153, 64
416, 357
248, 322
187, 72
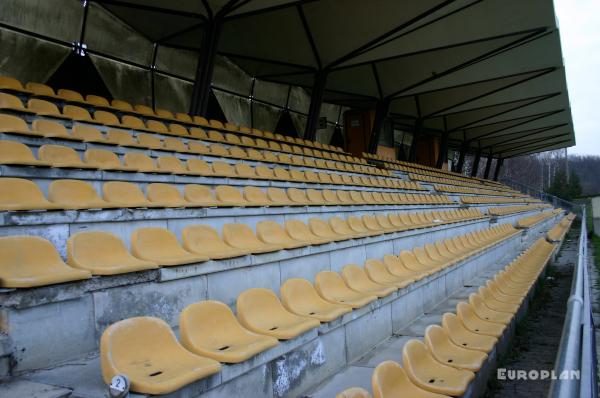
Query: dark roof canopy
488, 71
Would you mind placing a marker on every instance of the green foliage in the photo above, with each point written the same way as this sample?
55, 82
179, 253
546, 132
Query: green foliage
564, 188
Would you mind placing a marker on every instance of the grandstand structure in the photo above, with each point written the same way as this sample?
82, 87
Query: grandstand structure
160, 235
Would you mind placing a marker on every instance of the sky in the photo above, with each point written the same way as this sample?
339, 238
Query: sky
579, 24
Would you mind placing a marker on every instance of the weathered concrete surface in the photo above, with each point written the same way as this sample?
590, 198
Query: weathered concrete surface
29, 389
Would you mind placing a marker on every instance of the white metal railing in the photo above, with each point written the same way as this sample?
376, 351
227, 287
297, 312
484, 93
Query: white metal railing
575, 367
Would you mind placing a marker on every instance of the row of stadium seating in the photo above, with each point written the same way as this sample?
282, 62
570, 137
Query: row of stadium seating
506, 210
32, 261
22, 194
445, 362
440, 178
260, 312
530, 221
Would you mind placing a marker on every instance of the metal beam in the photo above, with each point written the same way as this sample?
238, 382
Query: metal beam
443, 147
381, 112
475, 166
316, 100
535, 149
143, 7
499, 163
488, 165
204, 71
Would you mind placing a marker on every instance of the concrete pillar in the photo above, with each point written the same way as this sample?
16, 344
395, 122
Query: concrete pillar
381, 112
476, 163
204, 72
314, 110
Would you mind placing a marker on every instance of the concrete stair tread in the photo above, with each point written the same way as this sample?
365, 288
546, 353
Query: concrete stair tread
25, 388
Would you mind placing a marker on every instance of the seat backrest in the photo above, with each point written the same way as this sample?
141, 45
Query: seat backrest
164, 113
121, 105
298, 230
42, 107
12, 151
96, 248
15, 192
15, 123
10, 101
70, 95
73, 193
139, 161
170, 164
255, 195
122, 192
106, 117
228, 194
244, 171
238, 235
166, 194
77, 113
56, 154
102, 159
157, 126
132, 122
174, 144
96, 100
195, 193
11, 83
199, 166
144, 110
120, 137
199, 238
178, 129
198, 133
86, 133
149, 141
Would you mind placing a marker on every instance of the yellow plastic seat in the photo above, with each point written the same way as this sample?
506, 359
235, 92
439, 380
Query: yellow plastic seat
16, 125
256, 196
165, 368
97, 101
199, 195
360, 228
443, 349
149, 141
10, 83
427, 373
197, 148
178, 130
124, 194
102, 253
300, 297
55, 156
161, 246
210, 329
103, 160
199, 167
31, 261
241, 237
353, 392
87, 133
222, 169
299, 231
341, 227
16, 153
140, 162
463, 337
378, 272
171, 164
120, 138
22, 194
204, 240
174, 145
260, 311
323, 230
75, 194
242, 170
315, 197
272, 233
331, 287
44, 108
228, 195
486, 313
77, 113
357, 279
12, 103
278, 197
469, 318
390, 381
106, 118
134, 123
165, 195
297, 196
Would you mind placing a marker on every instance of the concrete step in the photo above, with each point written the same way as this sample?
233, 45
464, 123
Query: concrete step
29, 389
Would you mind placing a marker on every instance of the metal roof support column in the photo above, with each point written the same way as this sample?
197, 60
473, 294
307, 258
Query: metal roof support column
461, 157
443, 151
499, 163
476, 163
412, 154
488, 166
381, 112
314, 110
204, 72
